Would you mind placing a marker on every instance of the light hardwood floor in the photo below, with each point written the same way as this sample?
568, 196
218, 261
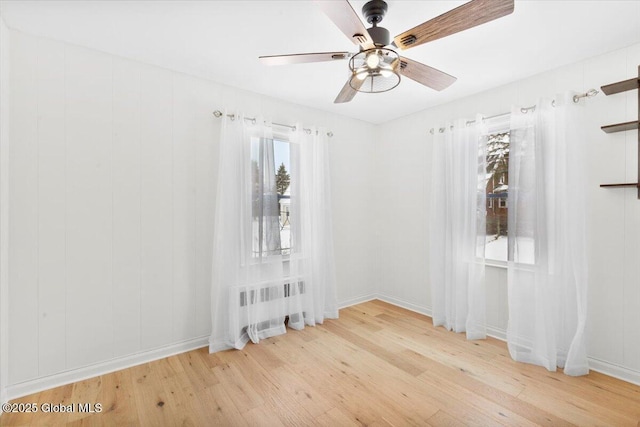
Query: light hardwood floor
376, 365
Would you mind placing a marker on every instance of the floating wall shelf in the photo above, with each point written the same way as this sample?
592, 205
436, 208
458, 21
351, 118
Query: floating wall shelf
620, 127
629, 184
618, 87
613, 88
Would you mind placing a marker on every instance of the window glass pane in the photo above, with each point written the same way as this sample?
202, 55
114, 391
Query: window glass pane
256, 188
265, 212
282, 156
497, 188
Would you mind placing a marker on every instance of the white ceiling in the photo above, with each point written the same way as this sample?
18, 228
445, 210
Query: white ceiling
221, 40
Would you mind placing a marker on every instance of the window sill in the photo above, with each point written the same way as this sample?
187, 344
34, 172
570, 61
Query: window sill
495, 263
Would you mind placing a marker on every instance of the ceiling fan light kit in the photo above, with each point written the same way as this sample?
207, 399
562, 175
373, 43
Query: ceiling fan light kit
374, 70
377, 68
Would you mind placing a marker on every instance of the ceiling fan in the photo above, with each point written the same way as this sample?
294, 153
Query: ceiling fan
377, 67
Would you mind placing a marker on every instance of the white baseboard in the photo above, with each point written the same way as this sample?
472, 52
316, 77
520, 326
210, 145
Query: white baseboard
356, 300
218, 346
405, 304
615, 371
497, 333
44, 383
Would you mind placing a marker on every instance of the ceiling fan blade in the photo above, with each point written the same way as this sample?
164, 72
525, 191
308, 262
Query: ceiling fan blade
347, 93
425, 75
469, 15
300, 58
347, 20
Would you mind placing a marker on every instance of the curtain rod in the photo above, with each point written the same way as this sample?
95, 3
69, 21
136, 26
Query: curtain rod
576, 98
219, 113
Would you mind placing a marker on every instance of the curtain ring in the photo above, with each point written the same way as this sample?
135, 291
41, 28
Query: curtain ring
232, 117
553, 101
441, 130
329, 134
431, 131
253, 121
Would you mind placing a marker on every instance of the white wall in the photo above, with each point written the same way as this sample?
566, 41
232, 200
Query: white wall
403, 165
112, 200
4, 211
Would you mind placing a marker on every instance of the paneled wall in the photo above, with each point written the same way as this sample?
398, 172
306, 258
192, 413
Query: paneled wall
4, 207
112, 192
112, 197
403, 174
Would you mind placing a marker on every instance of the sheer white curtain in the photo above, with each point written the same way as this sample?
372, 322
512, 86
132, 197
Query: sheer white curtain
547, 268
254, 287
247, 271
312, 258
457, 228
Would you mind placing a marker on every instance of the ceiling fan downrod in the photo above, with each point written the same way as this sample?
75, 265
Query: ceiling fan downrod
374, 11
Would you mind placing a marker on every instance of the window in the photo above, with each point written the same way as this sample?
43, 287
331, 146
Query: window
282, 157
270, 196
497, 192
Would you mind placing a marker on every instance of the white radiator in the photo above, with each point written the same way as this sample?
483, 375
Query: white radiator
251, 295
264, 306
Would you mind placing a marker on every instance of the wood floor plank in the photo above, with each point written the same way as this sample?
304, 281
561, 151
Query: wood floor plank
378, 365
59, 395
336, 417
351, 384
583, 411
240, 391
261, 417
512, 403
441, 418
374, 348
196, 370
84, 393
149, 396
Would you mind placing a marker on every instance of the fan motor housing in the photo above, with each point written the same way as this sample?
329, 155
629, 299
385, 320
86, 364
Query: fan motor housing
380, 36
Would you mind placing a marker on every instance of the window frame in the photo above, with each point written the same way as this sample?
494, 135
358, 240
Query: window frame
260, 257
